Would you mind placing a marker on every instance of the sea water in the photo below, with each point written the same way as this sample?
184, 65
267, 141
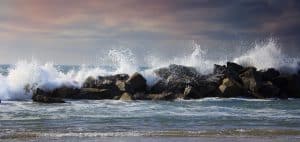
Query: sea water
208, 119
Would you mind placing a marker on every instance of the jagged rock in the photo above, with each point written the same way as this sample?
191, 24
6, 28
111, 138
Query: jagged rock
192, 93
65, 92
229, 88
218, 69
289, 85
104, 82
96, 94
178, 72
126, 97
137, 83
268, 90
233, 67
251, 79
270, 74
45, 97
232, 72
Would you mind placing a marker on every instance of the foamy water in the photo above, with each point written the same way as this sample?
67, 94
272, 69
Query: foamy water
210, 117
26, 76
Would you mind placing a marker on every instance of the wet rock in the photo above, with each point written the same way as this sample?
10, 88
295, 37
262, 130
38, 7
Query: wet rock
178, 72
229, 88
219, 69
95, 94
65, 92
126, 97
251, 79
289, 85
104, 82
192, 93
45, 97
268, 90
270, 74
137, 83
233, 67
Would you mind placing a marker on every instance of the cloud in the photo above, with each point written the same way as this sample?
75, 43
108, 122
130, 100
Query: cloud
155, 19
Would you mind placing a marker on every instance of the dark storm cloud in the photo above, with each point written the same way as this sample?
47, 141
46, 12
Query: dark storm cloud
173, 19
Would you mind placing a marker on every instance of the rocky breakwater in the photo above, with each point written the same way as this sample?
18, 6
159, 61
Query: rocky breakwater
177, 81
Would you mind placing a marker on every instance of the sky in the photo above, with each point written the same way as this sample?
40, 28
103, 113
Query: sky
82, 31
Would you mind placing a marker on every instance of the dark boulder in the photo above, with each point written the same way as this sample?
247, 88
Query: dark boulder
104, 82
268, 90
192, 93
65, 92
289, 85
251, 79
270, 74
45, 97
178, 72
233, 67
219, 69
96, 94
230, 88
137, 83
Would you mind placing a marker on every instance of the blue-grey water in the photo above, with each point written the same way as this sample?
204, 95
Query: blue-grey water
209, 119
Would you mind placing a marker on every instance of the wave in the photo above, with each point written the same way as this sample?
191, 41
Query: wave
26, 76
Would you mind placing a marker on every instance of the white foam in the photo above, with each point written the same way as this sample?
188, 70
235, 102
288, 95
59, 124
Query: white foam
268, 55
26, 76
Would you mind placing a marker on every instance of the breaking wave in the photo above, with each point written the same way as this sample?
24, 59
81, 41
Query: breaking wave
25, 76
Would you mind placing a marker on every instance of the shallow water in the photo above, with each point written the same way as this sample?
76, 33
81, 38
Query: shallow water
91, 120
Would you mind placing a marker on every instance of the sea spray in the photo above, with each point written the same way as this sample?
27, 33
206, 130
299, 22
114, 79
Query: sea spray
25, 76
268, 55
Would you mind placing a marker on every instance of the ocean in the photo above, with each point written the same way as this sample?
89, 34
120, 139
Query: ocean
209, 119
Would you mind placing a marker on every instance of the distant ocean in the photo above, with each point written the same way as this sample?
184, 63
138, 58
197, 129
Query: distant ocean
209, 119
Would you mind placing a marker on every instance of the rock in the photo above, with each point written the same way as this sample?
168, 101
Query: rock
289, 85
270, 74
233, 67
126, 97
268, 90
45, 97
178, 72
137, 83
232, 72
95, 94
179, 79
251, 79
104, 82
65, 92
229, 88
163, 73
218, 69
192, 93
